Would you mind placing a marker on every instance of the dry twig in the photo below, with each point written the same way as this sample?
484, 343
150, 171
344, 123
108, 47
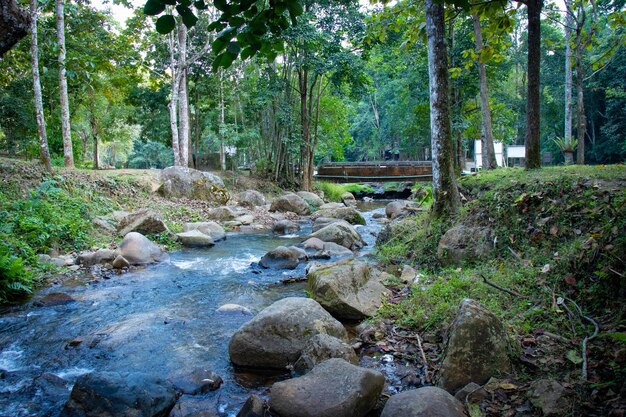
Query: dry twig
419, 344
511, 292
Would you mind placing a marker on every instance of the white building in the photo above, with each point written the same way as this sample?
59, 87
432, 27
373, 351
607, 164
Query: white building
509, 155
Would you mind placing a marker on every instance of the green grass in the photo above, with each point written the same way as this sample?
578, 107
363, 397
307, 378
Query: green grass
333, 192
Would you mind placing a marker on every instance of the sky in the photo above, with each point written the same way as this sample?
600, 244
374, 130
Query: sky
119, 12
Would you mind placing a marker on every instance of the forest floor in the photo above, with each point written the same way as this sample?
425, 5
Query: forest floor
557, 271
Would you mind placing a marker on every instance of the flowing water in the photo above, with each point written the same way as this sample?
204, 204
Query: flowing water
160, 320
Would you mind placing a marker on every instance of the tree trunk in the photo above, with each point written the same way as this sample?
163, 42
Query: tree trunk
14, 24
567, 134
44, 152
173, 104
581, 128
183, 99
68, 156
94, 132
489, 156
446, 195
305, 133
533, 115
222, 127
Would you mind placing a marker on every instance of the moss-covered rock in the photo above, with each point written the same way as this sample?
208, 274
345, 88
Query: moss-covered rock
181, 182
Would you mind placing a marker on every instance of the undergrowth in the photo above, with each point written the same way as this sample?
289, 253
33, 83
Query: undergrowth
333, 192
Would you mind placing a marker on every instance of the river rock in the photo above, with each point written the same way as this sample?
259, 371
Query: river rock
98, 257
347, 289
334, 388
322, 347
349, 214
222, 214
476, 350
251, 199
312, 199
333, 205
54, 299
423, 402
322, 222
395, 209
253, 407
120, 262
348, 199
313, 243
285, 227
195, 238
142, 221
465, 244
212, 229
182, 182
548, 395
139, 250
109, 394
199, 381
341, 233
472, 392
291, 202
275, 337
282, 258
234, 308
245, 220
334, 249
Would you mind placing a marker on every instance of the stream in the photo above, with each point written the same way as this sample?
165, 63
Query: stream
160, 320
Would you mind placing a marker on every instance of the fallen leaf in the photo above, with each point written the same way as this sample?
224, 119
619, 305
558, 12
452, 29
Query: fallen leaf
554, 230
574, 357
545, 269
570, 279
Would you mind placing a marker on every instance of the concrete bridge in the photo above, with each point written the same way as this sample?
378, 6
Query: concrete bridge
386, 171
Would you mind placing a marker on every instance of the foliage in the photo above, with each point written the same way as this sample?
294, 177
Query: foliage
15, 279
332, 191
150, 155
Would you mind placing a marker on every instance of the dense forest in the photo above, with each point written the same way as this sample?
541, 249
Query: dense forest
348, 82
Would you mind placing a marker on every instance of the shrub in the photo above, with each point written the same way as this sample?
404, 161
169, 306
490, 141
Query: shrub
15, 279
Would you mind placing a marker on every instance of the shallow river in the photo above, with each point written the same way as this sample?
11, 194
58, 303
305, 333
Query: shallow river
159, 320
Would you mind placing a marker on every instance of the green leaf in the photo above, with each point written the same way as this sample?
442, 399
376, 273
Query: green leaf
165, 24
619, 337
189, 19
247, 53
295, 8
200, 5
218, 45
574, 357
233, 48
220, 5
153, 7
216, 26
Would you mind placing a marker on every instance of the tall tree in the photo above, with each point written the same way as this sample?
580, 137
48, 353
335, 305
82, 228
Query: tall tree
68, 156
567, 133
14, 24
533, 102
447, 201
41, 122
489, 156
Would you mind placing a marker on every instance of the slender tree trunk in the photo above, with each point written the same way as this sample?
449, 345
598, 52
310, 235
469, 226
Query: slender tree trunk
68, 156
581, 128
183, 99
533, 114
44, 152
14, 24
489, 156
567, 134
94, 132
222, 126
305, 133
446, 195
173, 104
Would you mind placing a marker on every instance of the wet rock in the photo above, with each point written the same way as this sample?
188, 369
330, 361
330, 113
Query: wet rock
548, 395
254, 228
98, 257
334, 388
281, 258
334, 249
222, 214
348, 199
423, 402
312, 199
347, 289
139, 250
54, 299
291, 202
322, 347
477, 348
349, 214
341, 233
212, 229
472, 392
313, 243
142, 221
321, 222
275, 337
199, 381
195, 406
465, 244
384, 236
181, 182
195, 238
120, 262
251, 199
253, 407
233, 308
285, 227
101, 394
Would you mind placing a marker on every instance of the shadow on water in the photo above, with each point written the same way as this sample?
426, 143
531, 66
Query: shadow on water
160, 320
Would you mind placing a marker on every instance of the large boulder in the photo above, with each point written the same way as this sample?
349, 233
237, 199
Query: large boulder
275, 337
208, 228
312, 199
423, 402
347, 289
476, 350
108, 394
334, 388
139, 250
142, 221
465, 244
395, 209
195, 238
349, 214
181, 182
342, 233
251, 199
332, 205
333, 249
348, 199
281, 257
321, 222
322, 347
291, 202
